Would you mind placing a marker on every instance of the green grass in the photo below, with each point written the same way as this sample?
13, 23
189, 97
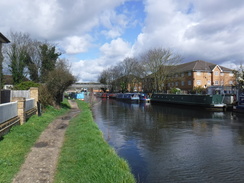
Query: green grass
87, 157
18, 142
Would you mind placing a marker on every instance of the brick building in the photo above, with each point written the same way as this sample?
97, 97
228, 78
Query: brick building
200, 74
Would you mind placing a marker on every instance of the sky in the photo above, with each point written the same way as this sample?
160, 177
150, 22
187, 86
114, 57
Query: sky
97, 34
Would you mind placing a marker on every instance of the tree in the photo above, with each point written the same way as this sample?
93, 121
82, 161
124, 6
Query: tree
17, 55
159, 64
48, 56
23, 57
58, 80
104, 78
239, 75
34, 60
130, 73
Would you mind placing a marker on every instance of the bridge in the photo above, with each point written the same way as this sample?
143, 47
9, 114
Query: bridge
95, 87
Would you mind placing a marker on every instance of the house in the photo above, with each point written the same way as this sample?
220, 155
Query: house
201, 74
3, 39
8, 83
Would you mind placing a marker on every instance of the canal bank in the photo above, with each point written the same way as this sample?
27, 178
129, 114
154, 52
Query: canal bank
85, 156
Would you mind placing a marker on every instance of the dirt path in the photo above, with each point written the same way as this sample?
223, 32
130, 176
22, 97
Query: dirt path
40, 164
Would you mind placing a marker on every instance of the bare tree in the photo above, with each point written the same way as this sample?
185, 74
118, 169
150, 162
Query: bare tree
131, 72
239, 75
105, 79
159, 64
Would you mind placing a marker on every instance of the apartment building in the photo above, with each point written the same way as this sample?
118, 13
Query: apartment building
200, 74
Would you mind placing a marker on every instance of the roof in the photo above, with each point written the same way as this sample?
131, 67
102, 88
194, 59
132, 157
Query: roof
7, 79
200, 65
3, 39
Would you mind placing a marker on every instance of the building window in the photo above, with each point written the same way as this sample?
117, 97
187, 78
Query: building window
198, 82
222, 82
209, 73
169, 84
182, 83
209, 82
231, 74
176, 83
216, 82
222, 74
189, 73
216, 73
198, 73
230, 82
182, 74
189, 82
176, 75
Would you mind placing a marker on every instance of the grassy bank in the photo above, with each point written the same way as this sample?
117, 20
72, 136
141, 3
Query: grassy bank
18, 142
86, 157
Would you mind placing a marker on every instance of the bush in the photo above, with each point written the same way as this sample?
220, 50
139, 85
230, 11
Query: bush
45, 97
26, 85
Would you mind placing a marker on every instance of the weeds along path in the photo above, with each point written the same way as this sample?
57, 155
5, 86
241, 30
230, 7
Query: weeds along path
40, 164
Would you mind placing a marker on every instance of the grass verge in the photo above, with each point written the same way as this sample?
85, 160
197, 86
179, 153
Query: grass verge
87, 157
18, 142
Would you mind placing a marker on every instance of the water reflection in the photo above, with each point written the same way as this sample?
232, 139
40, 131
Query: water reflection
174, 144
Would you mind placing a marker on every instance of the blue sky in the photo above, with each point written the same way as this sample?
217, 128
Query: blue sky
95, 34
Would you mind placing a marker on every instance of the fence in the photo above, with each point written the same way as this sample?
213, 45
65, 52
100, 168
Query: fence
29, 104
8, 111
20, 109
20, 93
9, 95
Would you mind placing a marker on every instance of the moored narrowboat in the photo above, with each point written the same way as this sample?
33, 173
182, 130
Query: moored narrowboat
132, 97
240, 105
205, 101
144, 97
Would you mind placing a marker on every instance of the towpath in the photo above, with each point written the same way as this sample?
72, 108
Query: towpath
40, 164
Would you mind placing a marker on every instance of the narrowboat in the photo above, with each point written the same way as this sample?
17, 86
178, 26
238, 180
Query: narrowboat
144, 97
132, 97
240, 105
205, 101
112, 95
80, 96
104, 95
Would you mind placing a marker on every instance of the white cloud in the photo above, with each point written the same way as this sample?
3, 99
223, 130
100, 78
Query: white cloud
75, 44
87, 70
116, 50
111, 54
208, 30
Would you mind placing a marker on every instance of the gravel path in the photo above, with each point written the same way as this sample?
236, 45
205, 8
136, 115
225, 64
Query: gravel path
40, 164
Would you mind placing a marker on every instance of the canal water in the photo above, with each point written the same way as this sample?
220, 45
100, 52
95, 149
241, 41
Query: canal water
174, 144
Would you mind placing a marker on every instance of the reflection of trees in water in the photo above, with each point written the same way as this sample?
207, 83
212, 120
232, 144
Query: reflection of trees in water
156, 123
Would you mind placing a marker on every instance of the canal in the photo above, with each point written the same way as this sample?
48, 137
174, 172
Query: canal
174, 144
